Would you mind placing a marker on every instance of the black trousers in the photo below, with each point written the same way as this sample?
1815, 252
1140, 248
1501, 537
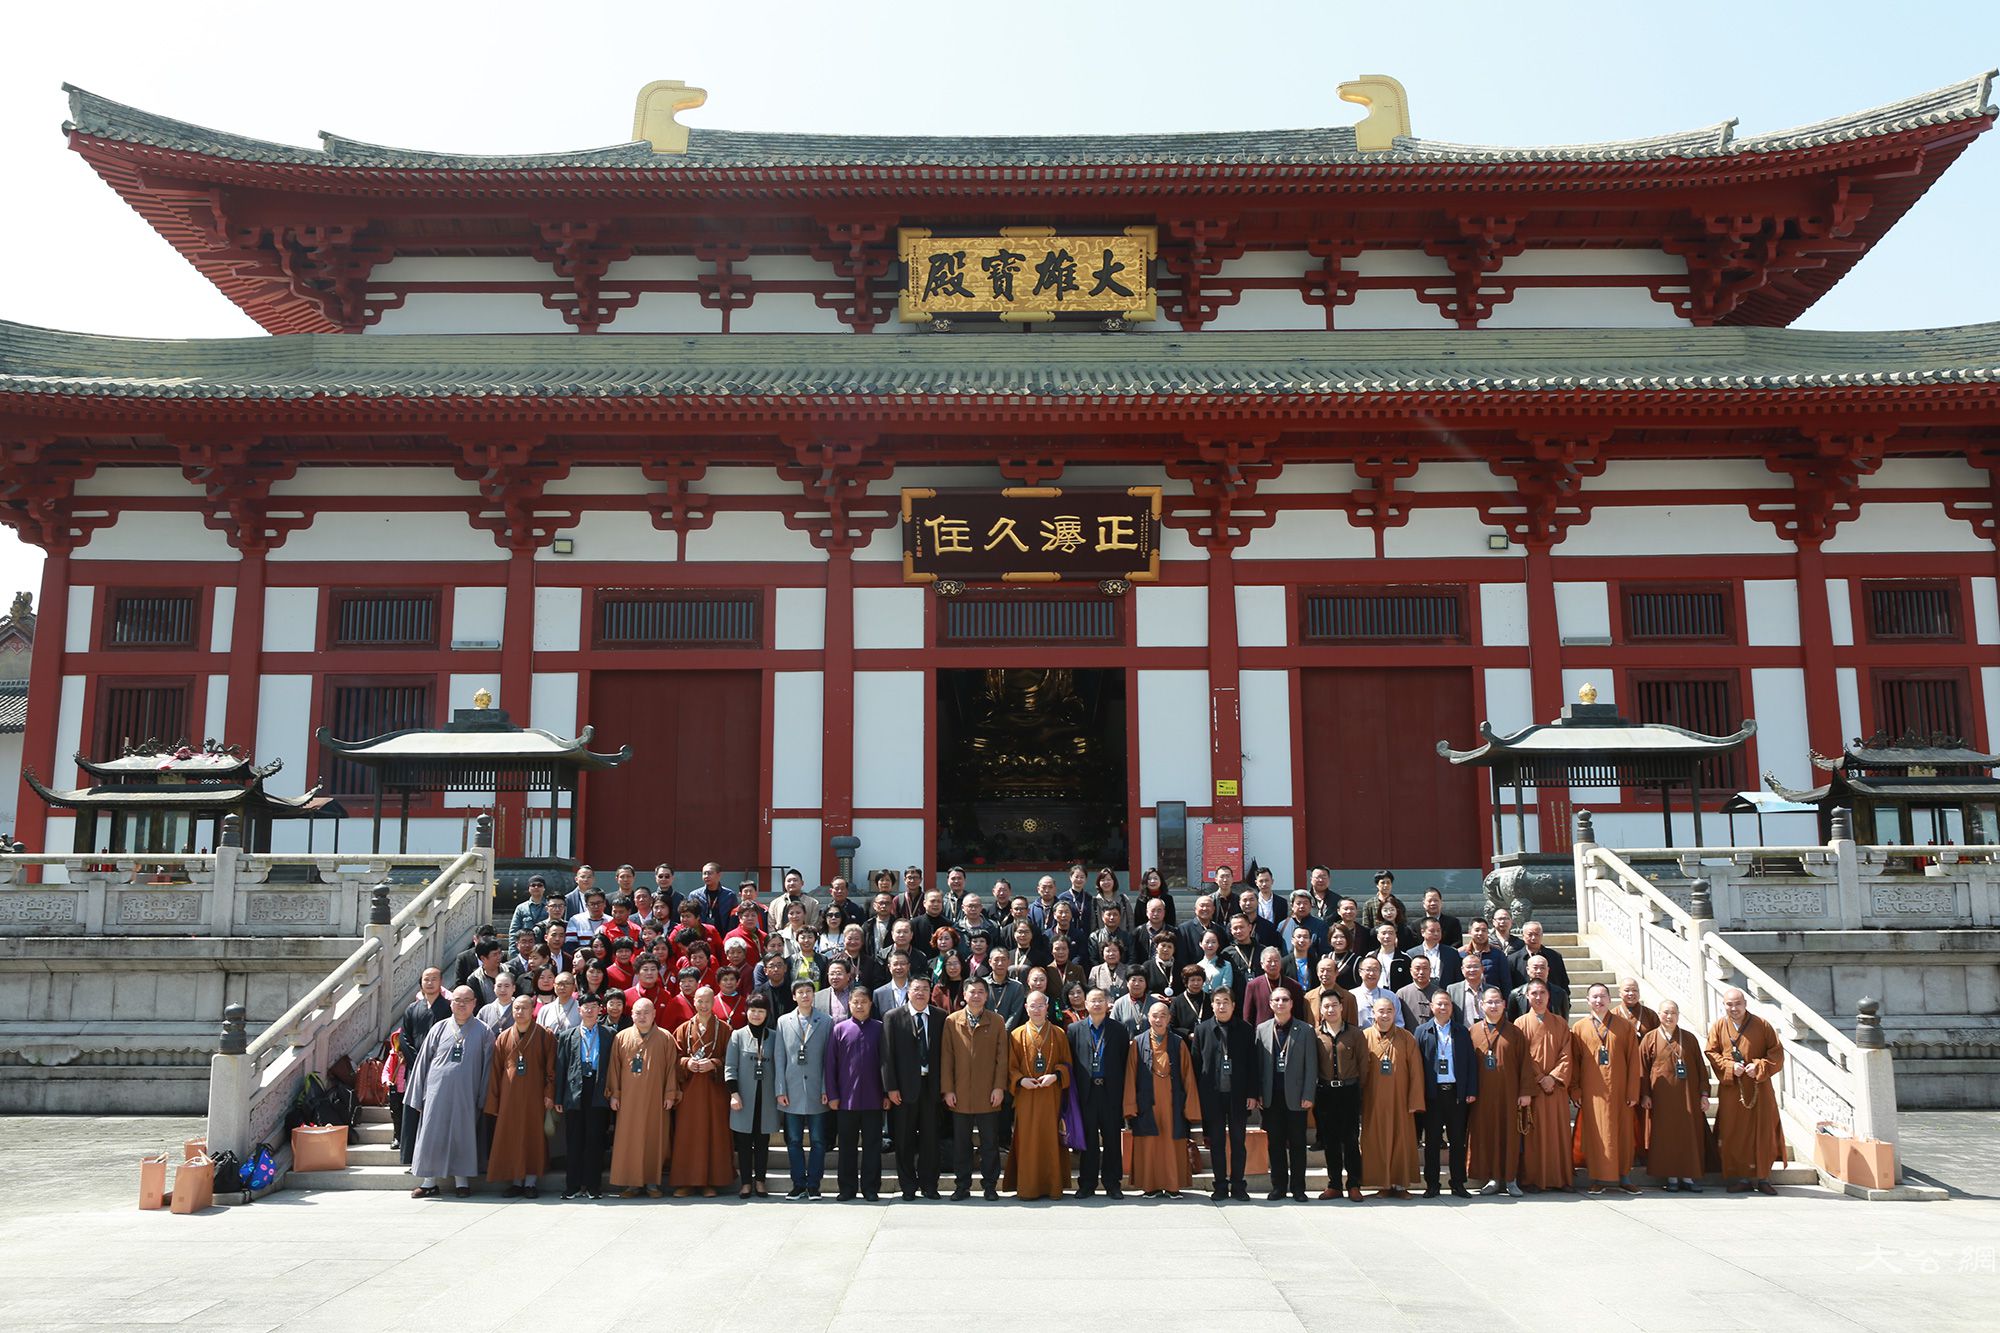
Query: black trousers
1285, 1134
1103, 1135
583, 1137
858, 1134
1225, 1119
410, 1119
1337, 1116
919, 1127
987, 1123
753, 1157
1444, 1116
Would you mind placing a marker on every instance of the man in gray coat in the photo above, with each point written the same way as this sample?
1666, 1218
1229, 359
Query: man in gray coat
447, 1090
801, 1057
1289, 1062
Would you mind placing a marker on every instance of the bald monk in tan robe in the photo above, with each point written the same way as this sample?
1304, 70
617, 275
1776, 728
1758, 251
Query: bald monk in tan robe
1643, 1019
1746, 1055
1494, 1126
520, 1091
1161, 1105
1392, 1095
1545, 1159
1673, 1080
1604, 1086
702, 1149
1038, 1067
642, 1083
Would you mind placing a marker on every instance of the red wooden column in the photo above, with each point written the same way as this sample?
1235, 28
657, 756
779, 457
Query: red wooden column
836, 781
45, 673
246, 652
1545, 678
1816, 648
517, 674
1225, 701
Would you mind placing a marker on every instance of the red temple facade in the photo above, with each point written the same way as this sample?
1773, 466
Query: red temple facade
1440, 431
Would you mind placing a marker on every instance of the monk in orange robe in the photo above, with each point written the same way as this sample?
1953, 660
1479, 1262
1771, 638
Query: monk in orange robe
641, 1083
1604, 1086
1673, 1080
1392, 1096
702, 1156
1161, 1105
520, 1090
1038, 1067
1494, 1126
1746, 1055
1545, 1159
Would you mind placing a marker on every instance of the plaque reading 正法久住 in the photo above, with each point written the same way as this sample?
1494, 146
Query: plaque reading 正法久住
1027, 274
1031, 534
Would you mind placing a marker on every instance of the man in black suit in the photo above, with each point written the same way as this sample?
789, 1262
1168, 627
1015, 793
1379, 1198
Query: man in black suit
431, 1007
1453, 931
582, 1055
1288, 1072
1532, 947
1188, 948
1443, 957
1098, 1050
1451, 1086
912, 1077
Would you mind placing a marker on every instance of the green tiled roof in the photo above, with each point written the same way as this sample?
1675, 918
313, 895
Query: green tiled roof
730, 149
1043, 365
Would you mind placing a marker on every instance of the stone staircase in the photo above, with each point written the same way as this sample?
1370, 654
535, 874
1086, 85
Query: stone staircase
373, 1165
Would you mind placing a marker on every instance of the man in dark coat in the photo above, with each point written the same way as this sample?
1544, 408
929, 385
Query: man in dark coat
1098, 1050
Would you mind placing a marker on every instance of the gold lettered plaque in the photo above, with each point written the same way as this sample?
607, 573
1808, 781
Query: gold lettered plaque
1026, 274
1031, 534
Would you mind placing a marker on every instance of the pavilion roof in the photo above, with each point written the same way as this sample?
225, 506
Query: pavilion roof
1593, 734
358, 368
712, 149
514, 747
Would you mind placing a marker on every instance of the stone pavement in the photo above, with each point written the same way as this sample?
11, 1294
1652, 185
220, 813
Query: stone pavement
355, 1261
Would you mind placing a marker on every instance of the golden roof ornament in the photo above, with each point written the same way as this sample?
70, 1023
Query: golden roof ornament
1586, 693
1388, 111
653, 116
482, 698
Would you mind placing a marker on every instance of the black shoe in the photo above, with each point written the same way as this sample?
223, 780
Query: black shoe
992, 1194
872, 1198
1460, 1192
909, 1194
462, 1192
1277, 1196
961, 1194
932, 1194
511, 1192
1113, 1192
1766, 1187
596, 1194
570, 1194
1239, 1192
796, 1194
1219, 1193
845, 1196
1430, 1191
1689, 1187
533, 1191
1299, 1196
1087, 1192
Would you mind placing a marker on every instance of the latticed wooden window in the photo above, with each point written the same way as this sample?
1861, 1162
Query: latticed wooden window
151, 619
1702, 702
359, 710
1921, 704
1905, 610
670, 618
134, 712
1679, 613
1402, 613
1002, 618
372, 618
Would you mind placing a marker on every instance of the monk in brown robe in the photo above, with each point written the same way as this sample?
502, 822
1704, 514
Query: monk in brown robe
1746, 1055
1494, 1126
1392, 1095
1545, 1159
1604, 1085
1673, 1080
642, 1082
1643, 1020
1161, 1105
520, 1090
1038, 1065
702, 1146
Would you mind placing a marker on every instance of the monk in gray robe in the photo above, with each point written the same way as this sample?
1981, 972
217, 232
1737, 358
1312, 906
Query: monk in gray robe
447, 1088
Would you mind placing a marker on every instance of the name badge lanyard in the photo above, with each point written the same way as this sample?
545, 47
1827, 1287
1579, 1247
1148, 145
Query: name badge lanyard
1603, 1045
1492, 1046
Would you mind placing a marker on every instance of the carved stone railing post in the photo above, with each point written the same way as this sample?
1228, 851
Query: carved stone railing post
231, 1079
1701, 906
382, 967
844, 847
228, 859
1874, 1079
1849, 907
489, 866
1582, 843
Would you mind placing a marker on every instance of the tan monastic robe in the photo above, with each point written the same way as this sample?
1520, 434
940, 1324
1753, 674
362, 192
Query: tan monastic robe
1494, 1125
1643, 1019
1746, 1109
1347, 1006
1160, 1161
1545, 1160
644, 1094
519, 1085
1604, 1086
1674, 1077
1037, 1165
701, 1151
1389, 1103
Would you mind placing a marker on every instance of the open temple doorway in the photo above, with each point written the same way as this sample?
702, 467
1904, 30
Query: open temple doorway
1031, 769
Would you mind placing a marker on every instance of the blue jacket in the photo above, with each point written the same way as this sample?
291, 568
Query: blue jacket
1464, 1059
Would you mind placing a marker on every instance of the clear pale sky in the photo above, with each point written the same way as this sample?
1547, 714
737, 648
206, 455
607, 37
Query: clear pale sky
503, 76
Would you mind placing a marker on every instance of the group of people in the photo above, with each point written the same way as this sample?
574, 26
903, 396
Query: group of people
1038, 1057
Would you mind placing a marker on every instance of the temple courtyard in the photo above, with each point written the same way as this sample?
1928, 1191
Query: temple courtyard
82, 1257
